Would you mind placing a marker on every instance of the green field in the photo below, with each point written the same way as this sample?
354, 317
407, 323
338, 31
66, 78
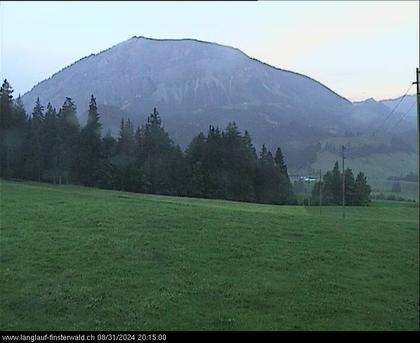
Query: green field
409, 189
75, 258
376, 166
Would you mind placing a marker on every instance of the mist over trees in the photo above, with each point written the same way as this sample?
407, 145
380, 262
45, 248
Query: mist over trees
50, 146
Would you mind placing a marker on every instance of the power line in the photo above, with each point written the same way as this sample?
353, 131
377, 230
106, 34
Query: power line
381, 126
399, 102
402, 117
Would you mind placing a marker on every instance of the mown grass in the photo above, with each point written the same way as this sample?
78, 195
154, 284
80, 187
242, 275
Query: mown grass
75, 258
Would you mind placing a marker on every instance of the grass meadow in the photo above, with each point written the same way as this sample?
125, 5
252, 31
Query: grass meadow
75, 258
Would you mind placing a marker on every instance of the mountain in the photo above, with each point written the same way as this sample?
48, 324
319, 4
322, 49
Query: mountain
381, 117
406, 105
194, 84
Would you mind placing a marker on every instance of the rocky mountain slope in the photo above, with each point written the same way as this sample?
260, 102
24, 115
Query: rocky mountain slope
194, 84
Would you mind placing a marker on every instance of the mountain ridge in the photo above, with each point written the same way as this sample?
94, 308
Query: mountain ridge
196, 83
192, 40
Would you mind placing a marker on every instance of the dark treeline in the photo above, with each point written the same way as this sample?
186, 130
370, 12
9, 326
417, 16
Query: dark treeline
357, 190
50, 146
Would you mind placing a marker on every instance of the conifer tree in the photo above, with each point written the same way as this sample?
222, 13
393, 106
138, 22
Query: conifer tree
357, 192
6, 103
238, 166
195, 155
13, 125
336, 185
350, 192
124, 160
50, 143
268, 179
280, 161
126, 144
362, 190
34, 158
16, 138
223, 164
69, 130
286, 185
108, 174
158, 156
87, 163
19, 114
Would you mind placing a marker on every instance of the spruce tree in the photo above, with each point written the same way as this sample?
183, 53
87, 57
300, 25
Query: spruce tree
336, 185
350, 195
198, 175
19, 113
93, 124
249, 159
13, 126
69, 130
6, 103
214, 164
108, 174
34, 158
125, 159
286, 185
158, 156
267, 179
50, 143
362, 190
16, 138
126, 143
329, 189
315, 194
87, 161
357, 192
238, 164
280, 161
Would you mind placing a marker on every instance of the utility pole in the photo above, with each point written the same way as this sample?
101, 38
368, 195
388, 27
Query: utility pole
320, 192
418, 126
342, 153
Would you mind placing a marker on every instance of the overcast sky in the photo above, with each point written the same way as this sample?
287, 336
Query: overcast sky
360, 49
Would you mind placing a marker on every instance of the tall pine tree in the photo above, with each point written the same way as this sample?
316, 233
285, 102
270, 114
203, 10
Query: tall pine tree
285, 184
6, 104
69, 130
34, 160
362, 190
87, 163
50, 143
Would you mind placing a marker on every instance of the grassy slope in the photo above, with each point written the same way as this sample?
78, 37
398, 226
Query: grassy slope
377, 167
78, 258
409, 190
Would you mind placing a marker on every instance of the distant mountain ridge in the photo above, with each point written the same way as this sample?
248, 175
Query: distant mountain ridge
192, 40
195, 84
406, 105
